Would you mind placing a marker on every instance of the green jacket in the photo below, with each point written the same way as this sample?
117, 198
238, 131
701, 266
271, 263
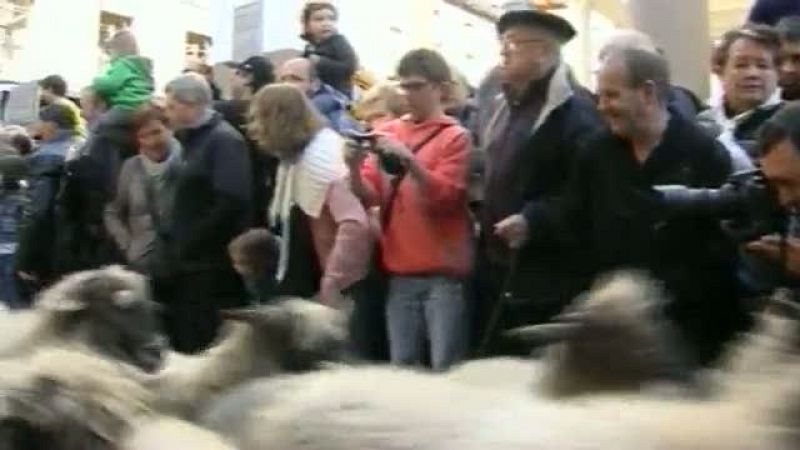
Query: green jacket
128, 82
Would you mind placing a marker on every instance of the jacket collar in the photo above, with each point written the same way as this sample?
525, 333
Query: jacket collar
719, 115
559, 91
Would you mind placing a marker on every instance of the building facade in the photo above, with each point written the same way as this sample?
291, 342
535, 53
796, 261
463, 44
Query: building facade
64, 36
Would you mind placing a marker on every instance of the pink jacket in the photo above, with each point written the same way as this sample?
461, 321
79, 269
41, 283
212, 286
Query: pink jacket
342, 240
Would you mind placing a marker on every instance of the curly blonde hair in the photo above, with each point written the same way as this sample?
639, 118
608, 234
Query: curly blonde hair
282, 120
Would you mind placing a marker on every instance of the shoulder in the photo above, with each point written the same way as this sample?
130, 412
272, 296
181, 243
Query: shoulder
695, 133
580, 117
223, 131
338, 40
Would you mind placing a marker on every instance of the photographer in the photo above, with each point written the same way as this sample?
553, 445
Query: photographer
418, 179
779, 145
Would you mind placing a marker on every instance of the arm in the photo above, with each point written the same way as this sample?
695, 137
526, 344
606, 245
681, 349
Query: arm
349, 257
111, 81
116, 213
341, 64
230, 173
364, 177
563, 217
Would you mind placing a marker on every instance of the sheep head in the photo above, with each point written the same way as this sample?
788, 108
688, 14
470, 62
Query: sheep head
294, 335
68, 400
111, 311
612, 337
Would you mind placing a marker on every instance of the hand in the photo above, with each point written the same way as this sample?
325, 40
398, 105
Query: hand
770, 248
395, 148
513, 230
354, 154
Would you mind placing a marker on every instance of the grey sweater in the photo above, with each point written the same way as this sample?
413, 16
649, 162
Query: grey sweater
127, 217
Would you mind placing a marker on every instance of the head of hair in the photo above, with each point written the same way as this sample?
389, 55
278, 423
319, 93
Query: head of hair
123, 43
282, 120
627, 38
146, 114
55, 84
762, 35
381, 100
425, 63
312, 7
17, 137
190, 88
643, 67
788, 29
785, 124
257, 248
60, 115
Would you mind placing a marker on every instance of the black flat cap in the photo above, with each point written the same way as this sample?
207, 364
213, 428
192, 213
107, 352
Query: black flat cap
523, 13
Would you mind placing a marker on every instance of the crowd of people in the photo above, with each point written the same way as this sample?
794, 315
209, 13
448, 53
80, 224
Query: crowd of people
439, 214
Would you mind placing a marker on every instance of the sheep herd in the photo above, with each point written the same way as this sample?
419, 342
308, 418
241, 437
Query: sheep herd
88, 369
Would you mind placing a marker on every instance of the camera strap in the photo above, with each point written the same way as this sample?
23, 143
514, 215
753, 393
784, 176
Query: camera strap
394, 185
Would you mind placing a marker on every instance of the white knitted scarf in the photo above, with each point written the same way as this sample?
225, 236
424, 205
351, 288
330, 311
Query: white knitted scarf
304, 182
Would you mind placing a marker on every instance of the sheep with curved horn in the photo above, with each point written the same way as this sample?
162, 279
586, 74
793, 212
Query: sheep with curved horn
290, 335
613, 337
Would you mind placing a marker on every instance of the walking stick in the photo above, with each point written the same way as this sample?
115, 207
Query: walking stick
506, 294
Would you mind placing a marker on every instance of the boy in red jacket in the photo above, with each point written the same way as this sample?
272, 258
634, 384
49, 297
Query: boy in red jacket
418, 179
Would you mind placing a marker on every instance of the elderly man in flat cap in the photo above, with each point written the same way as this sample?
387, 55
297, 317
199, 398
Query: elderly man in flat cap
537, 125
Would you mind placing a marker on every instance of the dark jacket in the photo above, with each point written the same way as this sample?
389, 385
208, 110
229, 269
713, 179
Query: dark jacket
610, 208
528, 159
212, 203
337, 62
37, 230
89, 184
263, 166
769, 12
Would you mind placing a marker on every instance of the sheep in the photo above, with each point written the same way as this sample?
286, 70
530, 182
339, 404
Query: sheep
291, 335
164, 433
394, 409
107, 310
619, 316
65, 399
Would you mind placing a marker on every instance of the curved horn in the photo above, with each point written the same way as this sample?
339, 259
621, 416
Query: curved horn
240, 315
544, 333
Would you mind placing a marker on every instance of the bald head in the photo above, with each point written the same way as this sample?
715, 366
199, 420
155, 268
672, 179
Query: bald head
301, 73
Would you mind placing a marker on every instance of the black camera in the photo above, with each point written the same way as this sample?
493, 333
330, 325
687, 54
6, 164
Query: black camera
747, 205
390, 164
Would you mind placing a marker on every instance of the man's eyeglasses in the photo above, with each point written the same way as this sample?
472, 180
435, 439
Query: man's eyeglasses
413, 85
515, 44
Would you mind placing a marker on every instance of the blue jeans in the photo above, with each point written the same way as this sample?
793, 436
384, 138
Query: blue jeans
9, 294
431, 309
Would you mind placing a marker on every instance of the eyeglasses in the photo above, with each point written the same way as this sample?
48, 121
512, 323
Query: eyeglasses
516, 44
413, 85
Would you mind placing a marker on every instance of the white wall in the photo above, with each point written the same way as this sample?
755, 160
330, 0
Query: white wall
62, 36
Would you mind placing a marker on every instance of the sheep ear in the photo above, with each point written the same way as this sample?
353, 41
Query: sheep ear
544, 333
61, 304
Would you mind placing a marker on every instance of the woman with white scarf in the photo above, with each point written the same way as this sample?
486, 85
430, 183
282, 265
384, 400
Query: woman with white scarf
139, 213
325, 235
